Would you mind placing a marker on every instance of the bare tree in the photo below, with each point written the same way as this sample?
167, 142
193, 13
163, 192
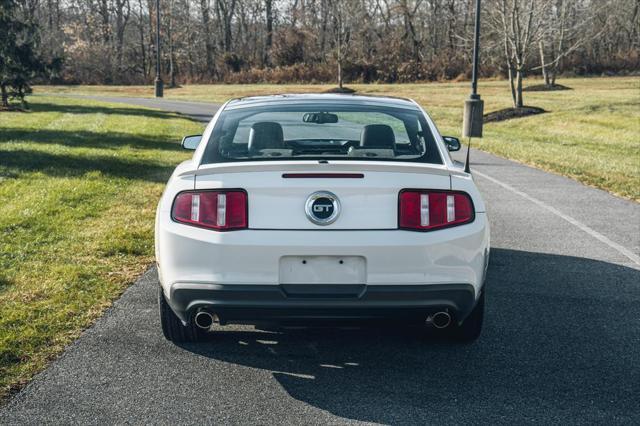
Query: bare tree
225, 10
206, 34
170, 42
122, 11
409, 15
112, 41
346, 14
103, 10
268, 8
565, 30
142, 32
519, 23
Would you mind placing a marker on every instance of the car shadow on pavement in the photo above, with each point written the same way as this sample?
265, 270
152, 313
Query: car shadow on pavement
561, 337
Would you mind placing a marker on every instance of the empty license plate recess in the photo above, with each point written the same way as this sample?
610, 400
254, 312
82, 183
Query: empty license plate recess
323, 270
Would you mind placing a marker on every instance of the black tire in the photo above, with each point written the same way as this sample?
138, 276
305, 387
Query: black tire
172, 327
471, 327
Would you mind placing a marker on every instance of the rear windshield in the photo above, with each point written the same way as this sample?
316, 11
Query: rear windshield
321, 131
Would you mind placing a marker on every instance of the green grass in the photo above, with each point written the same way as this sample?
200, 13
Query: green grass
79, 183
591, 133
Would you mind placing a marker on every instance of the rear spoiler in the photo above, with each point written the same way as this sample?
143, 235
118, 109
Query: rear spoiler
316, 166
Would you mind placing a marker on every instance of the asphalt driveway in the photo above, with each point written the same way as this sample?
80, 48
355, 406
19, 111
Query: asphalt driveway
561, 342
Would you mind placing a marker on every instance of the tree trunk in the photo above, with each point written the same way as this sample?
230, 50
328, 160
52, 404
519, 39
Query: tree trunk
122, 17
143, 50
519, 101
269, 37
104, 14
340, 57
324, 12
512, 86
5, 96
172, 67
204, 8
172, 70
554, 71
50, 15
152, 44
545, 72
410, 32
226, 9
227, 35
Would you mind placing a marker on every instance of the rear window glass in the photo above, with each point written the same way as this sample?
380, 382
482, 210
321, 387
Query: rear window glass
321, 131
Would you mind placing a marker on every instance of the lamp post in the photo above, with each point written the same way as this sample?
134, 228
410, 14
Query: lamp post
474, 106
476, 51
158, 81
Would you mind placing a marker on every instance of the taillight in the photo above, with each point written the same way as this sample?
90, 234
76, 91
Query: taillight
221, 210
424, 210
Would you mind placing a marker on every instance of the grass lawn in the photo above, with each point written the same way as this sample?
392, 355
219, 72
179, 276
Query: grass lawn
79, 183
590, 133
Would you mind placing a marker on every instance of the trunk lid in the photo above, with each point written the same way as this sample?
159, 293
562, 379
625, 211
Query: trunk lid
368, 200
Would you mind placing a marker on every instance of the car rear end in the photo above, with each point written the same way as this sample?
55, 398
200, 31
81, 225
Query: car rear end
318, 235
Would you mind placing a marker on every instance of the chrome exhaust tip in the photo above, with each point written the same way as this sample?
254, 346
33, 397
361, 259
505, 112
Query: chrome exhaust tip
204, 320
440, 319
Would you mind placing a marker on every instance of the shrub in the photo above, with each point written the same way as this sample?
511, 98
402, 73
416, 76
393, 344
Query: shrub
233, 61
288, 47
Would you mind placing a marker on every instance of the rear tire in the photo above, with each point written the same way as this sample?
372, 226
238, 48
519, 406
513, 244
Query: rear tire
172, 326
471, 327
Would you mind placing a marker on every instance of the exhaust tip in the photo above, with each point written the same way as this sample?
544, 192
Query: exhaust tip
204, 320
440, 319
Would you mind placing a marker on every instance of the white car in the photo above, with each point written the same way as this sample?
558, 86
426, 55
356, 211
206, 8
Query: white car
297, 208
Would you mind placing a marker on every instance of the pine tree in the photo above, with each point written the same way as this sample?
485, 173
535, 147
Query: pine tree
18, 61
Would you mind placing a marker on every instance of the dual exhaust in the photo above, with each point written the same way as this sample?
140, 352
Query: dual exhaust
205, 320
440, 319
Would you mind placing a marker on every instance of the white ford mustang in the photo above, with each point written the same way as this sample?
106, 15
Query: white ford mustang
321, 207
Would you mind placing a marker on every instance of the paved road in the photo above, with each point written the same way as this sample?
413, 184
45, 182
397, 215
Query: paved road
199, 111
561, 342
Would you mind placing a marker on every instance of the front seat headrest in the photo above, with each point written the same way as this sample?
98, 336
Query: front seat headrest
377, 136
265, 135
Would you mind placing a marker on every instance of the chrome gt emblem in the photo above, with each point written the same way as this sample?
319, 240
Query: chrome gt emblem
322, 208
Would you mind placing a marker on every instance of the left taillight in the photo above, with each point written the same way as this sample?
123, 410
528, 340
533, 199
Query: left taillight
221, 210
426, 210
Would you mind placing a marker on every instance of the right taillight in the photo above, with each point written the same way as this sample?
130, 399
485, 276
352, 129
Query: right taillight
425, 210
221, 210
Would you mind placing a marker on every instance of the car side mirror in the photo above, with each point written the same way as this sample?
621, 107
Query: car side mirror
191, 142
453, 144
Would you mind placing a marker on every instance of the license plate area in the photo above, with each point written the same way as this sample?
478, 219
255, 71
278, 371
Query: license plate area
323, 270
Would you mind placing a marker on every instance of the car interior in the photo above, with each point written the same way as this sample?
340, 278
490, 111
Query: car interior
267, 139
318, 134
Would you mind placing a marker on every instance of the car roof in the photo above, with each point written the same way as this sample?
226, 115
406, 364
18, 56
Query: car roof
321, 98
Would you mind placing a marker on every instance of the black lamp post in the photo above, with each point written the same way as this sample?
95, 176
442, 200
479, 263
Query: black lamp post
158, 81
476, 51
474, 106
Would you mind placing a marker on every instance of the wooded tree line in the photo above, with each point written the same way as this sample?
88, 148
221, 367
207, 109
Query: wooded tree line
113, 41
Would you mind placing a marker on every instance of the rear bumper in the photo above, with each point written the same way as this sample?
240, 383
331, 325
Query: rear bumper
250, 303
186, 254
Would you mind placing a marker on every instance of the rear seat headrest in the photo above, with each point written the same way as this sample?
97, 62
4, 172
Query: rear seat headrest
265, 135
377, 136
